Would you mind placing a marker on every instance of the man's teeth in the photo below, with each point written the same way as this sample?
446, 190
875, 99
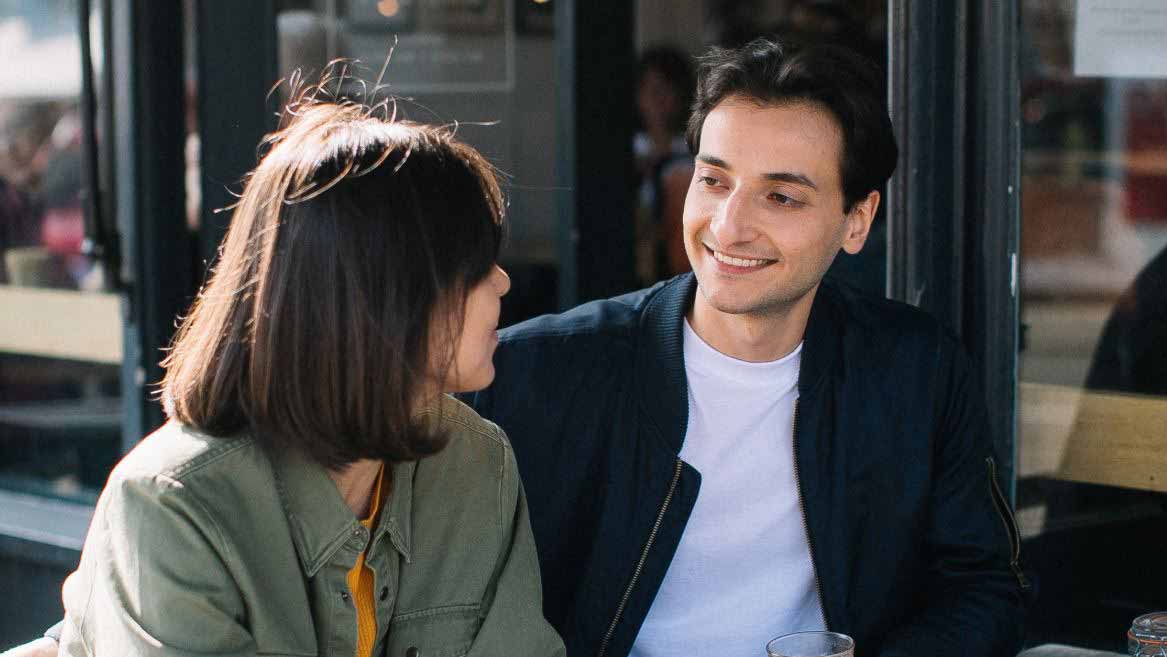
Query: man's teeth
738, 262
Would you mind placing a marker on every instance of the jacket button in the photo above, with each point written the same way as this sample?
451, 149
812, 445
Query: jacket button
384, 593
412, 652
344, 595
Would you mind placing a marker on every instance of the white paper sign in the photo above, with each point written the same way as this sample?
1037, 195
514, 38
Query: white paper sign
1121, 38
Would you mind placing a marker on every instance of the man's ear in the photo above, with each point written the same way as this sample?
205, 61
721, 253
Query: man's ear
858, 223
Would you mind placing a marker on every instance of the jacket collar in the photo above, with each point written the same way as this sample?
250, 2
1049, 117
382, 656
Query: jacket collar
319, 519
660, 360
661, 385
397, 518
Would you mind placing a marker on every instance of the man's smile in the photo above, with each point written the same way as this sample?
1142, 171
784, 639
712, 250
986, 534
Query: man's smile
739, 262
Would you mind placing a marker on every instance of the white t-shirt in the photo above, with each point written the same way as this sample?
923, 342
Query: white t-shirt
742, 574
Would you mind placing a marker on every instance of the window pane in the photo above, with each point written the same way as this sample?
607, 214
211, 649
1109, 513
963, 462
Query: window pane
1092, 491
60, 335
489, 65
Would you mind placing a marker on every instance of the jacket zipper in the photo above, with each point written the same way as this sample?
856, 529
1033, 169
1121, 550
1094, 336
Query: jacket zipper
818, 587
1007, 519
643, 557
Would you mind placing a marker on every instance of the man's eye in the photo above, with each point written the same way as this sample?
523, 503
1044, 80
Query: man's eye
708, 181
782, 199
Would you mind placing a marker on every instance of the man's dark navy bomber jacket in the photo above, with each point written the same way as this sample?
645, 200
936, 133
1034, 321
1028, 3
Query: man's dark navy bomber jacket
914, 546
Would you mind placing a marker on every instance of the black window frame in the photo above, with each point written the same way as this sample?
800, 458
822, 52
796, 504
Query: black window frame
954, 213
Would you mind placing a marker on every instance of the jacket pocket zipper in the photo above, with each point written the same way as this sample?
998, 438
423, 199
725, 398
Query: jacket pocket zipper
643, 558
1007, 519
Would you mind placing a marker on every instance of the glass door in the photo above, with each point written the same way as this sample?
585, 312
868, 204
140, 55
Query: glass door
1092, 486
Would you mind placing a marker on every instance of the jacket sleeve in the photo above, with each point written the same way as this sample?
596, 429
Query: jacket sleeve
513, 621
976, 592
151, 582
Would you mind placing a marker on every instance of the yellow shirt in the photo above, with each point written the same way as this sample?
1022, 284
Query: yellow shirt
360, 582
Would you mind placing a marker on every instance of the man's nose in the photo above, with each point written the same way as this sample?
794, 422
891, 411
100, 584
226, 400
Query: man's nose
732, 222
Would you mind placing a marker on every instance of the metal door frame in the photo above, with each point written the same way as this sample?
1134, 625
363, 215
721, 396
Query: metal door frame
953, 215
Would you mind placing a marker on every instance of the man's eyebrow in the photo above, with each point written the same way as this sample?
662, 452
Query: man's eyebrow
715, 161
778, 176
791, 177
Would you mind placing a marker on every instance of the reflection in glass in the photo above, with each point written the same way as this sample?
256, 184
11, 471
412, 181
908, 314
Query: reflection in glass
60, 337
1093, 398
487, 65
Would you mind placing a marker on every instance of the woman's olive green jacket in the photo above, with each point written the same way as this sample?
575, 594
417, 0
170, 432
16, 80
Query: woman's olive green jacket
203, 545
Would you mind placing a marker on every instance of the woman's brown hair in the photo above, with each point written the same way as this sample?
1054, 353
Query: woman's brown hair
355, 237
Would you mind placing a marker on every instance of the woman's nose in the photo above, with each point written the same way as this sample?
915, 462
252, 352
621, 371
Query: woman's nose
502, 282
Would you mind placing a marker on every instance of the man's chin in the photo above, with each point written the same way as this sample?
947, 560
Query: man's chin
733, 302
746, 309
742, 302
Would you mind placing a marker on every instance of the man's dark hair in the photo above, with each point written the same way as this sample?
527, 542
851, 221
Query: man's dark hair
842, 82
337, 297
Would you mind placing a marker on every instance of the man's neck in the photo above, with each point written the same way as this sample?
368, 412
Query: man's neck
753, 337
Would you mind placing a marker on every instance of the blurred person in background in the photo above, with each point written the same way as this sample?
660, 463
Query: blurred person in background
1127, 378
1131, 355
26, 147
664, 92
42, 223
62, 223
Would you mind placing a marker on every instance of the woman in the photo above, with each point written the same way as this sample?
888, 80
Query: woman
314, 492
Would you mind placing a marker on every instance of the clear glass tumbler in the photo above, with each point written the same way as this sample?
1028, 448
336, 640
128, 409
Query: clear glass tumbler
812, 644
1148, 635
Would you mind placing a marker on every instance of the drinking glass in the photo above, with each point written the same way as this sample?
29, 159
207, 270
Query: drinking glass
812, 644
1148, 635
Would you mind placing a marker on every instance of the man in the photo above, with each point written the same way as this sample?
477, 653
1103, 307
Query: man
752, 450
